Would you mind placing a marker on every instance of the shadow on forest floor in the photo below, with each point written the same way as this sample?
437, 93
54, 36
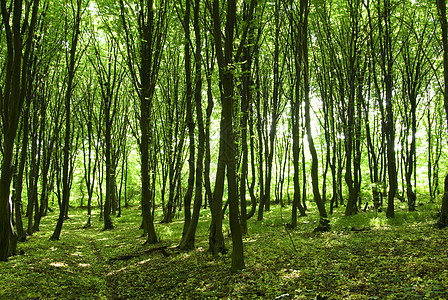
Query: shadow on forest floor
366, 256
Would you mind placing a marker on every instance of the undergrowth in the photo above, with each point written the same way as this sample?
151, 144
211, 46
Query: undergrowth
365, 256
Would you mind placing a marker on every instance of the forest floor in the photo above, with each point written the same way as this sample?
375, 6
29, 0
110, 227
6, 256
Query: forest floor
365, 256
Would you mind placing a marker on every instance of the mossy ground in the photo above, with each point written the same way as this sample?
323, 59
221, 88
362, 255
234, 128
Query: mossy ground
401, 258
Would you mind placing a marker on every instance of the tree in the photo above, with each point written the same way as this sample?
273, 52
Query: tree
414, 73
172, 131
188, 238
375, 160
110, 76
12, 99
246, 100
46, 54
385, 10
226, 60
328, 73
72, 59
441, 9
144, 64
188, 119
301, 57
275, 114
348, 115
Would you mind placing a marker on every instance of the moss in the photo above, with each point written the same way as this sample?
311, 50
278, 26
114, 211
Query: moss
363, 256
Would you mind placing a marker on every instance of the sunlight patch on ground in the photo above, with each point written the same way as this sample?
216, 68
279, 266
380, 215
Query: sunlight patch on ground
291, 274
84, 265
58, 264
250, 241
378, 222
144, 261
118, 271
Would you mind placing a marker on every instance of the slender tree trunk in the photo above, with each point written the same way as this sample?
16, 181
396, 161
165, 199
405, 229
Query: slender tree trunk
21, 169
245, 103
441, 7
45, 167
274, 109
225, 59
389, 126
13, 95
188, 239
253, 198
350, 127
304, 8
260, 136
295, 120
32, 174
210, 62
296, 203
151, 39
304, 171
216, 237
189, 120
109, 183
67, 139
429, 139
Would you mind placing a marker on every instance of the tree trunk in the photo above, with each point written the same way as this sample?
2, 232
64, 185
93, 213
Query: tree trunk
33, 174
225, 59
21, 168
296, 202
304, 9
441, 8
274, 110
110, 190
189, 121
188, 239
40, 210
253, 198
216, 237
67, 140
246, 97
13, 97
260, 136
151, 40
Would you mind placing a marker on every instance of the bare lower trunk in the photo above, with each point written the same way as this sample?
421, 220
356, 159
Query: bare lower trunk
216, 237
6, 228
441, 7
443, 220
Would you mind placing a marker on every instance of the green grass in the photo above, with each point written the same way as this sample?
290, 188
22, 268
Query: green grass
400, 258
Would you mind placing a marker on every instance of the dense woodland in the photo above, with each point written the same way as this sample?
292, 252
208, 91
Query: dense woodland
231, 106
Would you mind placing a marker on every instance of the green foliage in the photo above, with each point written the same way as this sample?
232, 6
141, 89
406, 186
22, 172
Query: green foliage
362, 257
343, 47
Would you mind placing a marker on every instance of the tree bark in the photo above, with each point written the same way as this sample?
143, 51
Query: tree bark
216, 237
441, 8
152, 32
12, 100
246, 98
270, 147
67, 139
225, 63
304, 10
188, 239
188, 120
